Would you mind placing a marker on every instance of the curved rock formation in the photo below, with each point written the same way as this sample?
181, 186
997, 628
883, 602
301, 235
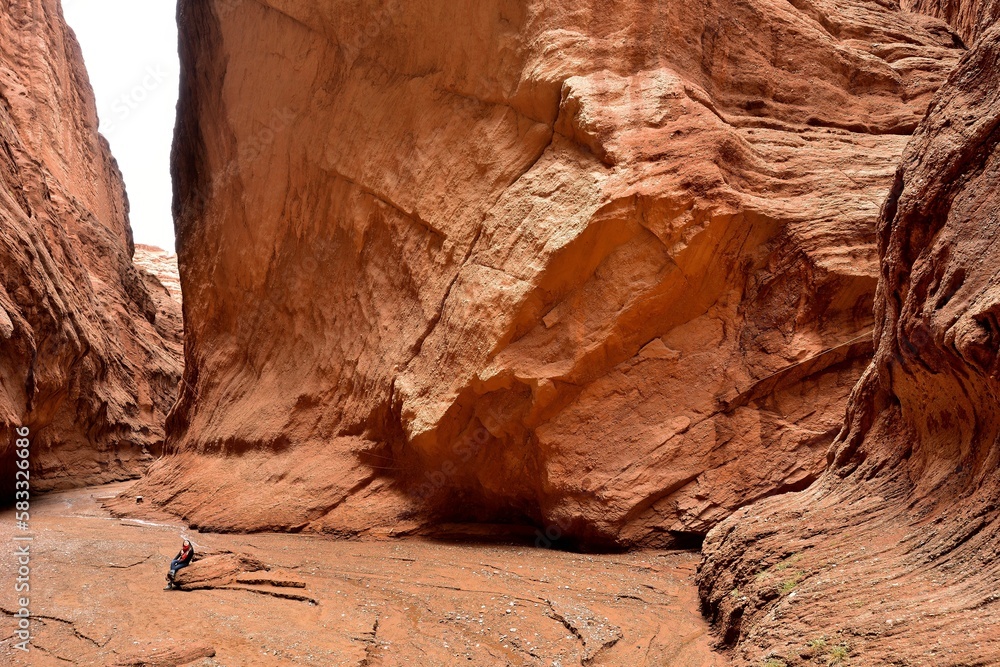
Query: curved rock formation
892, 555
86, 361
607, 272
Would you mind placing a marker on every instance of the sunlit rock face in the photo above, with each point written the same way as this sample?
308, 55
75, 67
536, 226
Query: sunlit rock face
607, 272
162, 266
88, 362
893, 552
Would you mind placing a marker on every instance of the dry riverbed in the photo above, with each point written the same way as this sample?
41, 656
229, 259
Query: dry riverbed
96, 599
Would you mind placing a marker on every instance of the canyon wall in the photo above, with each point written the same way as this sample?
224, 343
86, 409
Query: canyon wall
892, 554
970, 18
606, 272
90, 354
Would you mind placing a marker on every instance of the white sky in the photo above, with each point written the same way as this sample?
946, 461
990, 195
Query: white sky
130, 47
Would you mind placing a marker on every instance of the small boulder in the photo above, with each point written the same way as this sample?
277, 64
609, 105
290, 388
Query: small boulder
216, 570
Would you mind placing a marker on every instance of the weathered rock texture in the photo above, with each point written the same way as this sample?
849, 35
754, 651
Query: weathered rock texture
89, 354
162, 266
970, 18
610, 272
158, 270
339, 603
894, 552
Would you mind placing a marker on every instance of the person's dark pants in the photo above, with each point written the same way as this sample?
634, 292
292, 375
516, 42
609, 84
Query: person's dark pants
175, 565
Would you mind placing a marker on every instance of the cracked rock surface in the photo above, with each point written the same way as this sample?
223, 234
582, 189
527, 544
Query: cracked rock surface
279, 599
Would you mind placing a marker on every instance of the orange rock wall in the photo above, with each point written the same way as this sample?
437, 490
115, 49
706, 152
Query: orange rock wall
970, 18
610, 273
86, 362
893, 552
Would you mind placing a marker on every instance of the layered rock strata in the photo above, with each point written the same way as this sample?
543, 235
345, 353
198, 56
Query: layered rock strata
608, 273
892, 554
89, 353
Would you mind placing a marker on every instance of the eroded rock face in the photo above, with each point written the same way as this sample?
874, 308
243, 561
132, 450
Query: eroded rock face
215, 570
161, 265
89, 358
971, 18
607, 272
893, 552
158, 270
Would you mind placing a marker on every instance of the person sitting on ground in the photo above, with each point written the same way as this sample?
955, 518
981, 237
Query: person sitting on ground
182, 559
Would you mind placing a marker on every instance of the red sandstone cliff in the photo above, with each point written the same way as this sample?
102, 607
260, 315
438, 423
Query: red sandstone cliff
159, 268
86, 362
608, 272
892, 554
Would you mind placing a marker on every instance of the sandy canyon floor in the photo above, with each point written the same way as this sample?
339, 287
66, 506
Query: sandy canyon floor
97, 599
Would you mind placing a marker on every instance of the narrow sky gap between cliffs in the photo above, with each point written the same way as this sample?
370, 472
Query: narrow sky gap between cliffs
130, 49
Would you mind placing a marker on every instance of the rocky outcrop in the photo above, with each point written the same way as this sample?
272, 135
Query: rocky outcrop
158, 270
216, 570
971, 18
610, 273
166, 654
160, 265
891, 556
90, 358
